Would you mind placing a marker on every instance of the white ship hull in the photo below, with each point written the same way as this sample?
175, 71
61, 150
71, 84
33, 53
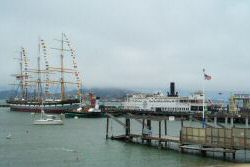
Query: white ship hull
162, 103
48, 122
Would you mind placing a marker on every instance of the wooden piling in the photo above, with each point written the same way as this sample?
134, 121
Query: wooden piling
232, 121
127, 130
215, 121
149, 128
203, 153
190, 118
165, 127
166, 131
160, 133
246, 122
233, 154
107, 128
143, 126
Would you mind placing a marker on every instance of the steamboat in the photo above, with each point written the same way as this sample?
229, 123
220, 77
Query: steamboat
159, 102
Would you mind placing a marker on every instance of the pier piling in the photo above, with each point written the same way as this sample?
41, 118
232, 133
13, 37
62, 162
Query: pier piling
232, 121
246, 122
165, 130
215, 121
159, 133
149, 129
143, 127
107, 128
127, 131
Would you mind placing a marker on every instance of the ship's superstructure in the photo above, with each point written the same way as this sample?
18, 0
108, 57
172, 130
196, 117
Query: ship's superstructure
159, 102
36, 87
162, 103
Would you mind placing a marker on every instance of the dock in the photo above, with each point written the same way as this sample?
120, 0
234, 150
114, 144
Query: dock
4, 105
223, 117
223, 141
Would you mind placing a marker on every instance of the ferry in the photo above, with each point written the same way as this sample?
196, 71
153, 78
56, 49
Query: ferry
158, 102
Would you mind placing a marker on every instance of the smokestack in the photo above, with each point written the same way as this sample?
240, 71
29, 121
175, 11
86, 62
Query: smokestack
172, 90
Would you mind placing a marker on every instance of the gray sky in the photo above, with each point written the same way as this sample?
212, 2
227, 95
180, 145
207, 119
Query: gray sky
137, 43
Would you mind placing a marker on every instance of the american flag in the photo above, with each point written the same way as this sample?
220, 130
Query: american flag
206, 77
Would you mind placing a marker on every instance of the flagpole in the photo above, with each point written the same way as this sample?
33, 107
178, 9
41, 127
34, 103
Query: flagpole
203, 101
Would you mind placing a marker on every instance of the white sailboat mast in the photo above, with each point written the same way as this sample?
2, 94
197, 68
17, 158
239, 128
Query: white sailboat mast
21, 75
39, 85
62, 70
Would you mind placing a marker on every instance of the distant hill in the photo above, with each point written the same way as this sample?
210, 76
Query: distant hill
101, 92
5, 94
119, 93
106, 92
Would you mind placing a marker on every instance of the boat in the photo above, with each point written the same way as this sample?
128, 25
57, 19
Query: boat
29, 92
87, 112
159, 102
47, 120
9, 136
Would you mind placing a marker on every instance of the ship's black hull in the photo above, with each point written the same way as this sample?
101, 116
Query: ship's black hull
85, 114
48, 107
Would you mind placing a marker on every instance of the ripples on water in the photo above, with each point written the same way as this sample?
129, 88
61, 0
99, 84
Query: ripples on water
81, 142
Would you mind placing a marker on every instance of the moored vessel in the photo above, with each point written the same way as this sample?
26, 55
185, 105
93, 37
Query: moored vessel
46, 119
29, 92
158, 102
86, 111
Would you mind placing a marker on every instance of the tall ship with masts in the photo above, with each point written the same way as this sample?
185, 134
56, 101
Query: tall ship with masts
36, 88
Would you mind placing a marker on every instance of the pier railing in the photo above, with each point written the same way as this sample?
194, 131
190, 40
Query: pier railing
234, 138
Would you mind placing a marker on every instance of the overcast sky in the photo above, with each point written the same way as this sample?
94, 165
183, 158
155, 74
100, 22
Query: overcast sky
136, 43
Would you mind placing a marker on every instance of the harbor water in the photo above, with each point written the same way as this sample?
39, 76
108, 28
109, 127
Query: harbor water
81, 142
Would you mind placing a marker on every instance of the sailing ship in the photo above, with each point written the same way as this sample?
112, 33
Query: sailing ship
29, 93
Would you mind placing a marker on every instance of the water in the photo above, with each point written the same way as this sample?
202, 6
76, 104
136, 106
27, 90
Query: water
80, 142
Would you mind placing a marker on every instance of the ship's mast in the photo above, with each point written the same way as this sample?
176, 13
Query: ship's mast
47, 81
39, 86
76, 72
62, 71
21, 75
25, 73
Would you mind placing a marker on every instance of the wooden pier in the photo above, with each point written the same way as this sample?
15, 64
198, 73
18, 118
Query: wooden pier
223, 117
213, 139
4, 105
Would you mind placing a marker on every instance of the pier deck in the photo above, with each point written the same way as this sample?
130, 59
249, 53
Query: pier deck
156, 138
208, 149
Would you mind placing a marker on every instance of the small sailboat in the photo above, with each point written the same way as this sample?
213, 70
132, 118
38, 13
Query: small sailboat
9, 136
46, 119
